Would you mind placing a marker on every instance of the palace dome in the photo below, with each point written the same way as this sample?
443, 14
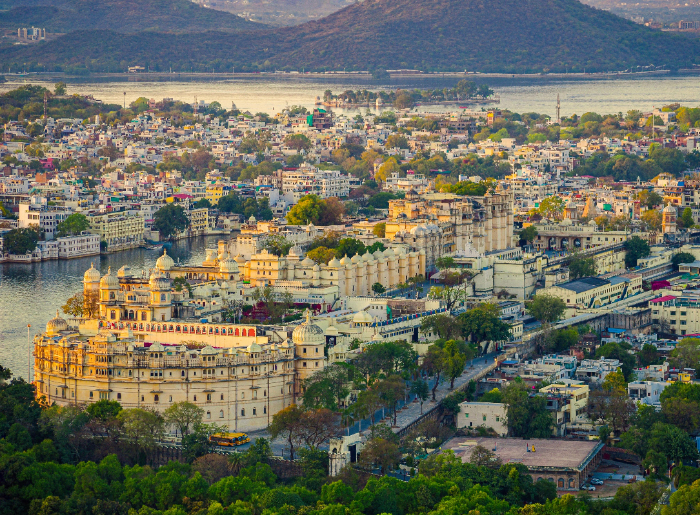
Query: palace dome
109, 281
356, 259
92, 275
362, 317
228, 265
56, 325
669, 209
307, 333
345, 260
308, 262
334, 263
158, 281
165, 262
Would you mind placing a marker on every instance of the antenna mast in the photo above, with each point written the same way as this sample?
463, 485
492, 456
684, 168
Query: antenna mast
46, 99
558, 110
195, 107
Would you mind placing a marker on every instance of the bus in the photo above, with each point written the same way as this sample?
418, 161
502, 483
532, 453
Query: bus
229, 439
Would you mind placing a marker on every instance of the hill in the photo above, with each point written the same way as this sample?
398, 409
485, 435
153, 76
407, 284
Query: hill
512, 36
121, 16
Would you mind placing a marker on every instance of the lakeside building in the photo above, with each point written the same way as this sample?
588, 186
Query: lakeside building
136, 351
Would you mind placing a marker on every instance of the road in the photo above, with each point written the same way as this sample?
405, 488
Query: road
406, 414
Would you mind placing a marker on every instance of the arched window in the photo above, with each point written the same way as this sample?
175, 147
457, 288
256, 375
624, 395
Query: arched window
242, 412
216, 331
156, 398
237, 332
221, 414
170, 328
251, 332
177, 328
244, 332
184, 329
162, 297
111, 296
208, 414
195, 398
560, 483
572, 483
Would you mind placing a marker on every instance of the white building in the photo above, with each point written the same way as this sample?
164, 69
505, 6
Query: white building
483, 414
647, 392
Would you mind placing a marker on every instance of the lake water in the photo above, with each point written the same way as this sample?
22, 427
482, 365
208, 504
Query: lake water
31, 293
519, 95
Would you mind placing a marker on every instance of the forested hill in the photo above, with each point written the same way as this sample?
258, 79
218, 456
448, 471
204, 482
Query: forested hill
121, 16
513, 36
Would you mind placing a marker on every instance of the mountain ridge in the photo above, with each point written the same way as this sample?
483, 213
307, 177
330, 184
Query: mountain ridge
510, 36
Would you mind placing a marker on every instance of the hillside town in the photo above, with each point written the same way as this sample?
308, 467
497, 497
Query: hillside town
482, 286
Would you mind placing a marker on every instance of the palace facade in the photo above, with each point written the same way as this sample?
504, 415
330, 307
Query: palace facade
139, 352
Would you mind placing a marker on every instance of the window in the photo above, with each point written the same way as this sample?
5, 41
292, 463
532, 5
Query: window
195, 398
221, 414
91, 395
208, 414
243, 412
222, 396
255, 411
170, 399
208, 397
484, 417
156, 398
264, 409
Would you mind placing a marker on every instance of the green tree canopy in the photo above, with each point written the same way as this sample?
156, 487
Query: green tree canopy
170, 220
73, 224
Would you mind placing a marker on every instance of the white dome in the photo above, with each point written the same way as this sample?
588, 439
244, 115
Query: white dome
389, 253
229, 266
334, 263
208, 350
254, 347
224, 285
419, 230
308, 262
670, 209
356, 259
239, 259
345, 261
56, 325
362, 317
158, 281
92, 275
307, 333
367, 257
109, 281
165, 262
295, 252
378, 255
332, 331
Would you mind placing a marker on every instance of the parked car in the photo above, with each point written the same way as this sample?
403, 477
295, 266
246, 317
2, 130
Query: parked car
588, 487
596, 481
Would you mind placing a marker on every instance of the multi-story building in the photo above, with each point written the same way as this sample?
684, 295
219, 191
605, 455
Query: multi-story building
647, 392
483, 414
595, 370
681, 313
594, 292
119, 230
307, 180
38, 213
568, 403
568, 362
135, 351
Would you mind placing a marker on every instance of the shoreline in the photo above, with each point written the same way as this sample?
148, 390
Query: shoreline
364, 76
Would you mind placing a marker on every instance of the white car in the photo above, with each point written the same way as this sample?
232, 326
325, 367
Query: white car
590, 488
596, 481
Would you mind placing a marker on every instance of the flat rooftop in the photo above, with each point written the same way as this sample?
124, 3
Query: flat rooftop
549, 454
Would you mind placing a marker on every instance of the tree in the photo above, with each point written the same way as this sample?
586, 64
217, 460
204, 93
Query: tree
183, 415
482, 324
445, 326
318, 426
321, 255
580, 266
435, 363
378, 288
387, 168
349, 247
686, 354
381, 453
104, 410
20, 241
396, 141
298, 142
456, 356
277, 244
611, 402
483, 457
527, 415
332, 212
546, 308
636, 248
651, 220
649, 355
286, 424
685, 501
379, 230
73, 224
170, 220
528, 234
74, 305
142, 427
202, 203
686, 218
449, 295
391, 391
307, 210
650, 199
551, 207
682, 257
59, 89
420, 389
